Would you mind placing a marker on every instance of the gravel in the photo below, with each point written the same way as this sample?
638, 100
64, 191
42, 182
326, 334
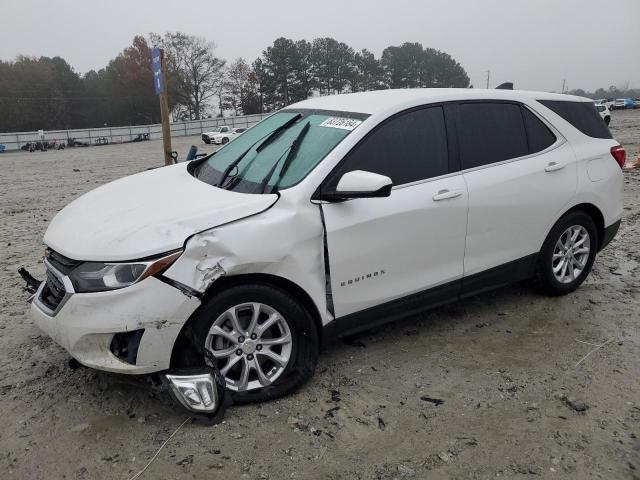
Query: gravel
502, 385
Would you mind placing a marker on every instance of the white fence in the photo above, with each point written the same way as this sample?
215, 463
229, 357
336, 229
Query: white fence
92, 136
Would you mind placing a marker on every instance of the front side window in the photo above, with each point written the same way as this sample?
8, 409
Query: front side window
490, 133
278, 152
407, 148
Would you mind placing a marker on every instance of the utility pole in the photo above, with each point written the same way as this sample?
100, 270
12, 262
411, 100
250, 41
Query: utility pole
160, 80
488, 77
164, 112
564, 82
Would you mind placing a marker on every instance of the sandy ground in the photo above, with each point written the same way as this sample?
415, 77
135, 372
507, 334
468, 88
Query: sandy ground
503, 364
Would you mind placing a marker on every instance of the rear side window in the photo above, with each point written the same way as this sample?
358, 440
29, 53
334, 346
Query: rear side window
407, 148
582, 115
490, 133
538, 134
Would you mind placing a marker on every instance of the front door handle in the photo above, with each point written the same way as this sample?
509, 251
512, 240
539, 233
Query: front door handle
553, 166
446, 194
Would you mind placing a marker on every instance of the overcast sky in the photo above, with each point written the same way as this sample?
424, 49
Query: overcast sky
535, 43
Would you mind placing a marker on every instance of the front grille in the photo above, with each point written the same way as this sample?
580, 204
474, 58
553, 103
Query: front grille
61, 263
53, 291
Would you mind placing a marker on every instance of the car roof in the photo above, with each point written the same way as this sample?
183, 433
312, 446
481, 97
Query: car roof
381, 100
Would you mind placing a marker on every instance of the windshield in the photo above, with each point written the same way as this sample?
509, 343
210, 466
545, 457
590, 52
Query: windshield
267, 162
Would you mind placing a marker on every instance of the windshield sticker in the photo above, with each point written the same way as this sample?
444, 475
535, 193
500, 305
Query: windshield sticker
339, 122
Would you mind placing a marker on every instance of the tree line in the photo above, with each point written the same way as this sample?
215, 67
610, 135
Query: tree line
47, 93
612, 92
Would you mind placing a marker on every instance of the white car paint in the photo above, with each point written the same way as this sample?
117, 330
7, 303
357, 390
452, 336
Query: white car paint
498, 202
424, 235
358, 233
360, 181
86, 323
153, 211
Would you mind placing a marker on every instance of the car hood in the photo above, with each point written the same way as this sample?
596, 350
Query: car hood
146, 214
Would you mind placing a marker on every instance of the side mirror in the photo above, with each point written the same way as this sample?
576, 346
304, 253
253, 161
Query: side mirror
360, 184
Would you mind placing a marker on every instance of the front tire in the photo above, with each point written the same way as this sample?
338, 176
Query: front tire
567, 254
265, 342
225, 140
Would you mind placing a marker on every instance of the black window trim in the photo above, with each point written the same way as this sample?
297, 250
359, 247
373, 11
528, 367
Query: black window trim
452, 148
560, 139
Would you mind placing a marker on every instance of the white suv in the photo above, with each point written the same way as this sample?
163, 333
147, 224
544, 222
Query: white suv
328, 217
604, 113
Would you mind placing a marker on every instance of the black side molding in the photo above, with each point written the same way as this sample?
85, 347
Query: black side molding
515, 271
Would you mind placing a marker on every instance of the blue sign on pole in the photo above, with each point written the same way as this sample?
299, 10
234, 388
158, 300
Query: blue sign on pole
156, 67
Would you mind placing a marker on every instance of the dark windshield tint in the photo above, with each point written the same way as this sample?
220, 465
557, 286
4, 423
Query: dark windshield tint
261, 171
490, 133
582, 115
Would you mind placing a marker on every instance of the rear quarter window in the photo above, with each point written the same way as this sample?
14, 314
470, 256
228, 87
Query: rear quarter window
538, 134
582, 115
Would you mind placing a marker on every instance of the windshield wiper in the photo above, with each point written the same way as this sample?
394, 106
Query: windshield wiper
278, 131
271, 137
293, 150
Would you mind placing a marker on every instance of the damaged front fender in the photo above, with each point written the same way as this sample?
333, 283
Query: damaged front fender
285, 241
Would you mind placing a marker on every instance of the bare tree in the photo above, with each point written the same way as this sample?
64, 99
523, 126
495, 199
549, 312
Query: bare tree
236, 85
195, 69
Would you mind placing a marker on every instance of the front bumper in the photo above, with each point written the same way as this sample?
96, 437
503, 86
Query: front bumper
86, 323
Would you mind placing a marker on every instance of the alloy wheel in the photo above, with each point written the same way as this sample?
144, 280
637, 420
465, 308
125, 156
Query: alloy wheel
252, 344
571, 254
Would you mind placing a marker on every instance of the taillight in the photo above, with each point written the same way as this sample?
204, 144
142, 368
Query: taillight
619, 153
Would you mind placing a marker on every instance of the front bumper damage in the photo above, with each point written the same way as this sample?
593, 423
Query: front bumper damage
89, 331
88, 322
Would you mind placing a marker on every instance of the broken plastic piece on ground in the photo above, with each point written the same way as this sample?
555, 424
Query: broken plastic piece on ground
32, 282
201, 391
436, 401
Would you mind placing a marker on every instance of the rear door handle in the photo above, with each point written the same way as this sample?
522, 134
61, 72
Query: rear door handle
446, 194
553, 166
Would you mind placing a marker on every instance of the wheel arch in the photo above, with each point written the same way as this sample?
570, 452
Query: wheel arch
182, 344
594, 212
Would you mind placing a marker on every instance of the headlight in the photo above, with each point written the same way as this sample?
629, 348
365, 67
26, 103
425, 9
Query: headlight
99, 277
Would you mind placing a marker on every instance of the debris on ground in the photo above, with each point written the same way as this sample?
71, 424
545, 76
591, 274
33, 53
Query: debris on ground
436, 401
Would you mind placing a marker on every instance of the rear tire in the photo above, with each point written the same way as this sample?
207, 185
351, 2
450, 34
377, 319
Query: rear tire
565, 261
225, 140
301, 353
